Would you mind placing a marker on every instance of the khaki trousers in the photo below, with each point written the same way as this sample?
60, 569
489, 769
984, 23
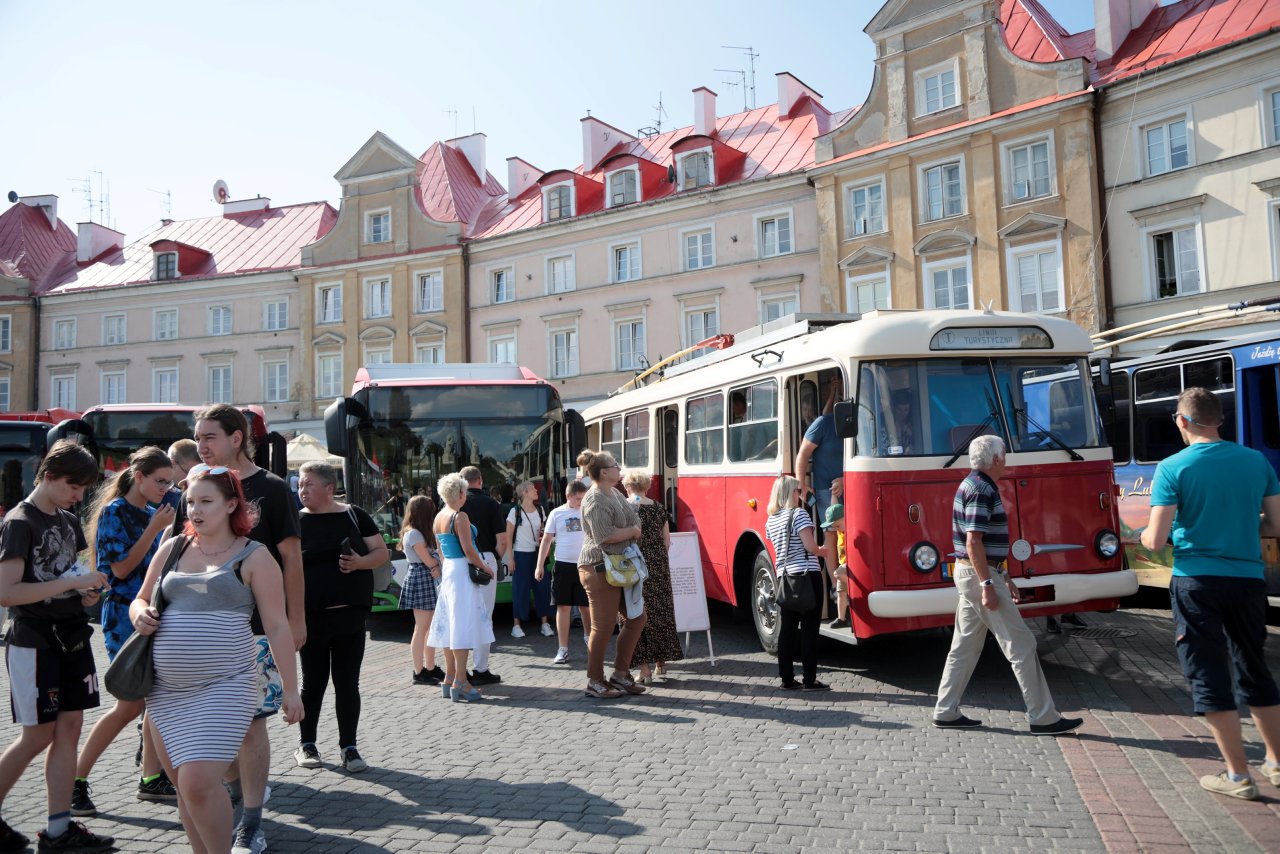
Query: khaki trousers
1016, 642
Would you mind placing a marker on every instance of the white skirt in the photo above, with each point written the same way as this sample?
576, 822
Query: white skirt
461, 618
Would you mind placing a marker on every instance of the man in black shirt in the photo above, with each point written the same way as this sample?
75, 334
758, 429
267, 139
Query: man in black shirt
52, 678
491, 541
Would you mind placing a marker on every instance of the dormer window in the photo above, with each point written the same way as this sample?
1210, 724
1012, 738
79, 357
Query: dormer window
558, 202
378, 227
937, 88
695, 170
166, 265
623, 188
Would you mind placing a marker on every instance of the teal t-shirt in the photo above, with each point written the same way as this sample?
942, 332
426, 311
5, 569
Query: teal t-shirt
1218, 489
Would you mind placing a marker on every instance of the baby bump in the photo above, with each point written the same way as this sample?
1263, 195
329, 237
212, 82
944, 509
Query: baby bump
200, 648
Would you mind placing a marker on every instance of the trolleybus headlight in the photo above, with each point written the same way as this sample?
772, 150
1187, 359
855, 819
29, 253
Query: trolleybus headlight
924, 557
1107, 544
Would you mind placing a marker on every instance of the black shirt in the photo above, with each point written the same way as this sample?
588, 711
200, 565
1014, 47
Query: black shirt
47, 546
322, 536
486, 514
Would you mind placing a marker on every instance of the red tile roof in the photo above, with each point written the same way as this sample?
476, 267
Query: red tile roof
252, 242
772, 145
450, 189
31, 248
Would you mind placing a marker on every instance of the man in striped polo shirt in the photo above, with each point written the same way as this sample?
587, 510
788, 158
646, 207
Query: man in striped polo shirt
988, 600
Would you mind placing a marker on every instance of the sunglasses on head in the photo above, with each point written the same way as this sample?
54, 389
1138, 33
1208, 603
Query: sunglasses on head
201, 468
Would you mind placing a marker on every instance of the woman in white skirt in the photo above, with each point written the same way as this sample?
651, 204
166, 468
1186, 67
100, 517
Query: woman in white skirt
461, 620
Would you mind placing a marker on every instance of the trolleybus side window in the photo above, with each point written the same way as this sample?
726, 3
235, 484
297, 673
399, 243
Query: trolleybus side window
1156, 393
635, 447
704, 429
1115, 402
753, 430
611, 437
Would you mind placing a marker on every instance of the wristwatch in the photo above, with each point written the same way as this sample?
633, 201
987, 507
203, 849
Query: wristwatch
989, 582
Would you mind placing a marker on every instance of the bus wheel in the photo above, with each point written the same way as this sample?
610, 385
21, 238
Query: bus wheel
764, 604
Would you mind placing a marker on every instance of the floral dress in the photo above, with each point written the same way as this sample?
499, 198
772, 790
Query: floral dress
120, 525
659, 640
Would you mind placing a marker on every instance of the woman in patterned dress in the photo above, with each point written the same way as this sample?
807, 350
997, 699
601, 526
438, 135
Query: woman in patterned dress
659, 641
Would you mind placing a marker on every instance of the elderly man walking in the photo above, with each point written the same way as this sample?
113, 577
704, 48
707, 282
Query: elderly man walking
1209, 494
980, 534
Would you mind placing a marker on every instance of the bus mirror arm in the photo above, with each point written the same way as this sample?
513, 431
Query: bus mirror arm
74, 429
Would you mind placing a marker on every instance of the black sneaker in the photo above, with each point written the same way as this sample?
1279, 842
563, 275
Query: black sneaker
957, 723
1058, 727
352, 761
838, 623
1051, 626
81, 804
424, 677
76, 838
483, 677
12, 840
435, 673
160, 789
1074, 620
815, 685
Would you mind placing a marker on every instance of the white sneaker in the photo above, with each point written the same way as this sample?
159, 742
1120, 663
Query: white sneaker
547, 631
586, 639
562, 656
517, 632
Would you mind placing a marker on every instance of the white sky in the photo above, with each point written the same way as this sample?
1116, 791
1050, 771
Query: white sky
274, 97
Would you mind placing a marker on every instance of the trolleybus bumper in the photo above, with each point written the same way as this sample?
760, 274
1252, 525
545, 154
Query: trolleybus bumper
1068, 590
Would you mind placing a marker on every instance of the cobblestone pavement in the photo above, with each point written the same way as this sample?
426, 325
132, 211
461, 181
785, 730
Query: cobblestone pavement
716, 758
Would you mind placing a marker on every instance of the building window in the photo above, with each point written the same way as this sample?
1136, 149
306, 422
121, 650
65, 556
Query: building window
1176, 258
626, 262
1273, 116
937, 89
63, 391
564, 353
379, 227
867, 293
377, 298
4, 394
329, 304
219, 320
559, 202
629, 351
1030, 172
275, 381
429, 354
502, 349
219, 383
1037, 278
276, 315
165, 324
695, 170
64, 334
700, 324
698, 250
6, 333
1167, 146
622, 188
504, 289
430, 295
944, 193
329, 375
865, 205
164, 385
773, 308
377, 355
113, 387
775, 236
948, 284
166, 265
113, 329
560, 274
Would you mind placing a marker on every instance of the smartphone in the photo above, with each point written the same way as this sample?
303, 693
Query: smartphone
346, 547
810, 499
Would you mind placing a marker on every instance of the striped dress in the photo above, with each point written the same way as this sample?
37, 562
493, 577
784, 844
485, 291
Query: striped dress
206, 687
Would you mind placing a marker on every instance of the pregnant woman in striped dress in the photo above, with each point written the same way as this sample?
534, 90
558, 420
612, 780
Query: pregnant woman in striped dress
206, 686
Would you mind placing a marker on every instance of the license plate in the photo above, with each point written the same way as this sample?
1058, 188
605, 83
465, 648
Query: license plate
1040, 595
948, 570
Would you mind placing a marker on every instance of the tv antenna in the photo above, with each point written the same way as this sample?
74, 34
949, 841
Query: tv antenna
99, 202
453, 111
752, 56
167, 202
656, 128
742, 83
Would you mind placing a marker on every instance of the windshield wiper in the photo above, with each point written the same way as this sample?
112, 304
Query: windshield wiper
963, 447
1048, 434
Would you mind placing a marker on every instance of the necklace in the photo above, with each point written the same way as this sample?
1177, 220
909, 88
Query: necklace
224, 550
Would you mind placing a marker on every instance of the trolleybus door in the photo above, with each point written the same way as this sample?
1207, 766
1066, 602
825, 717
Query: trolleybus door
667, 461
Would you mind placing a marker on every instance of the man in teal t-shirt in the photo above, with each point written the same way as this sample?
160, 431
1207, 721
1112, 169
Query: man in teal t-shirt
1209, 496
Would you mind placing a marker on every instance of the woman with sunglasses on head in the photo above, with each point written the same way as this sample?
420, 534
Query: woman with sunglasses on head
791, 532
123, 532
206, 690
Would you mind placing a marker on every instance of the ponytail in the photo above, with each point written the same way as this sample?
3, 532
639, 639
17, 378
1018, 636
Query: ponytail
144, 461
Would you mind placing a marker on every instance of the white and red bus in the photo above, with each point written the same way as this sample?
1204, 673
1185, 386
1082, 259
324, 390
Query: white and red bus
954, 375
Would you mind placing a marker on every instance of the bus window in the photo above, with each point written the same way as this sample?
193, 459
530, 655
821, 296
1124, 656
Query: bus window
754, 435
1155, 392
703, 429
1218, 376
611, 437
635, 448
670, 432
1043, 397
808, 404
1116, 400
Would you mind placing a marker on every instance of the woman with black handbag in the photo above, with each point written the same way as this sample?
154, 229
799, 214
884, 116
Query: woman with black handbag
799, 584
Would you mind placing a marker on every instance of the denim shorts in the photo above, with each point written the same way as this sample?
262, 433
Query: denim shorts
1220, 627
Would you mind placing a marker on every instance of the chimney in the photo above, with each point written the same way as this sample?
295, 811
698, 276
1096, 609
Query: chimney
472, 148
704, 111
790, 90
521, 175
92, 239
48, 205
260, 203
1114, 20
598, 139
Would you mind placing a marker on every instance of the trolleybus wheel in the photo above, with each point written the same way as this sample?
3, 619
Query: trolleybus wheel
764, 603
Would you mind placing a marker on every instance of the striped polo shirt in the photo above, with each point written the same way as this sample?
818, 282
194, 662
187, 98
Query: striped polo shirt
977, 507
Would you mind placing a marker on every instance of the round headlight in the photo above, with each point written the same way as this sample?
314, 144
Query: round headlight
1107, 544
924, 557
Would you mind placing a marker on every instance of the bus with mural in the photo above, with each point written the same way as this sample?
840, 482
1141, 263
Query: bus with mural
912, 389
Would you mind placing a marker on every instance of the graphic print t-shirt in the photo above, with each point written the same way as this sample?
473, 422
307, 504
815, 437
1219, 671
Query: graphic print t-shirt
47, 546
565, 524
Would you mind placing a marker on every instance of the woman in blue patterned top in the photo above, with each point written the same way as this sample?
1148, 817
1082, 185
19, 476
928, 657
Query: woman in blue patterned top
124, 531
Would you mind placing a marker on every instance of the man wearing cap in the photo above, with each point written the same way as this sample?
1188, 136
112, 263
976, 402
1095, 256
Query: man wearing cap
833, 554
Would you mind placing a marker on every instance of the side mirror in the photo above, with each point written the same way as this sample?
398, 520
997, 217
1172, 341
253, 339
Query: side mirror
1104, 372
74, 429
575, 434
341, 416
846, 415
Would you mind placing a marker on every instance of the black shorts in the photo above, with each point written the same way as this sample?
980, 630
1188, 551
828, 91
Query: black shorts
45, 682
566, 589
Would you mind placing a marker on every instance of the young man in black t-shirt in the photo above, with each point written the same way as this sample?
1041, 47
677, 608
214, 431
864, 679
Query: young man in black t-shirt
491, 541
52, 678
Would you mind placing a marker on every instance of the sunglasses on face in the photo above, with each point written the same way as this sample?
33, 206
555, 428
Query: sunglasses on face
1185, 418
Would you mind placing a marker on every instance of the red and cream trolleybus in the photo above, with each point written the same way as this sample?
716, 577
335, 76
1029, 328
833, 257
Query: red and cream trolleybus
909, 390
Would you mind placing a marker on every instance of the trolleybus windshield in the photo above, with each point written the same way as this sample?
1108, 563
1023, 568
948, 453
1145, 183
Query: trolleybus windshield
21, 447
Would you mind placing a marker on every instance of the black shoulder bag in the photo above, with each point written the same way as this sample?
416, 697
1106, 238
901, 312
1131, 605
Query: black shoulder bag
478, 575
132, 673
795, 592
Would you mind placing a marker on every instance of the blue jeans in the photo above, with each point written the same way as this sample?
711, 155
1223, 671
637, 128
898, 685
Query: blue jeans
522, 583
